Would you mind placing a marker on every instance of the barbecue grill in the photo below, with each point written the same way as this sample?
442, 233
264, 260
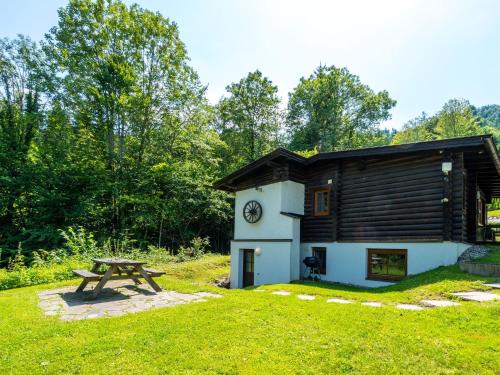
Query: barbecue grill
312, 268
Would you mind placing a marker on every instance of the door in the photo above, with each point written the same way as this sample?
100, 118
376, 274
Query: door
248, 267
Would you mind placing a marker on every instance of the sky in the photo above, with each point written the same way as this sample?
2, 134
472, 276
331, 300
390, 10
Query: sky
422, 52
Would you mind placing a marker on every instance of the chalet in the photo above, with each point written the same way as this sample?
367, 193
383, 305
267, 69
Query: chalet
372, 216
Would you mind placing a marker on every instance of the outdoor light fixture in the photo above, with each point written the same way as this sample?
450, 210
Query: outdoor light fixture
446, 167
258, 251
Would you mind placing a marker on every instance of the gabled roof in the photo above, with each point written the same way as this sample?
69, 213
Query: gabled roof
279, 153
459, 144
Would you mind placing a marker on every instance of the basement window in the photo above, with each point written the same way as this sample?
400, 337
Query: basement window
387, 264
322, 202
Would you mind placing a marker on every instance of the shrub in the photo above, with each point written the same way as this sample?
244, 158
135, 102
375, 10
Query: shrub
80, 242
198, 247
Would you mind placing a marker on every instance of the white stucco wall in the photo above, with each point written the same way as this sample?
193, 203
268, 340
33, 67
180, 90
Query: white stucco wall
273, 266
279, 261
347, 262
274, 198
292, 197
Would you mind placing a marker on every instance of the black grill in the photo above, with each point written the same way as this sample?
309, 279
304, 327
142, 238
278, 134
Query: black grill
312, 268
311, 262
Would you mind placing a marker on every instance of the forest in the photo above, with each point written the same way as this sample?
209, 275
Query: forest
106, 128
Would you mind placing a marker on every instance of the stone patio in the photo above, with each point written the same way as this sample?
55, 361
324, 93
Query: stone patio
118, 298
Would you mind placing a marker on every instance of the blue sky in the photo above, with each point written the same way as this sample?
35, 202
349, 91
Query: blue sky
422, 52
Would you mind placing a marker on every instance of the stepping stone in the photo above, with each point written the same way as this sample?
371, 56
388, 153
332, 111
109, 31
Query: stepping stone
259, 290
282, 293
439, 303
493, 285
338, 300
406, 306
477, 296
372, 304
306, 297
208, 294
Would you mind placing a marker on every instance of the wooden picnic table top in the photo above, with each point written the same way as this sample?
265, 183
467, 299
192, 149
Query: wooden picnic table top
118, 261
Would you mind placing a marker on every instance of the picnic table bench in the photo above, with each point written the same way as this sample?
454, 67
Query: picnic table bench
118, 269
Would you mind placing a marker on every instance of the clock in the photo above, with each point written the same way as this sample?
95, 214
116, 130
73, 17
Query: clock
252, 212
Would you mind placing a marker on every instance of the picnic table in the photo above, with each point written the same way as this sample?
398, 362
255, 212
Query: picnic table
118, 269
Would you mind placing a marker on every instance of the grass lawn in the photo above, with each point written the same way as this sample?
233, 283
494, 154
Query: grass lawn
493, 213
492, 257
249, 332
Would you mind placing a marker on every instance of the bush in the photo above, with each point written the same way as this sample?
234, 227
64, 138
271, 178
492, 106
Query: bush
199, 246
80, 242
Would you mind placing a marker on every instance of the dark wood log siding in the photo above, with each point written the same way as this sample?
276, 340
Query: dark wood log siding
471, 206
392, 199
319, 228
275, 172
459, 209
385, 199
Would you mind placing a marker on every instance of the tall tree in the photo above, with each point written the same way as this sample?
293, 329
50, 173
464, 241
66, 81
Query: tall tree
456, 119
418, 129
330, 107
125, 79
249, 119
20, 119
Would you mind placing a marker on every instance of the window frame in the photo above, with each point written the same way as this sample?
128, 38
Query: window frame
322, 266
323, 189
371, 276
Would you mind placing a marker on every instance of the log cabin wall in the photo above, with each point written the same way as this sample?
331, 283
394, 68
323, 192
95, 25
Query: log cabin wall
459, 200
271, 173
471, 206
320, 228
382, 199
397, 199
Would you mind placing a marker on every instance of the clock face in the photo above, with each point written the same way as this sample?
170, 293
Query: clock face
252, 212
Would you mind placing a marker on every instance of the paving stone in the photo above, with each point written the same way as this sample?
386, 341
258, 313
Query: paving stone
406, 306
282, 293
493, 285
208, 294
306, 297
439, 303
477, 296
118, 299
338, 300
372, 304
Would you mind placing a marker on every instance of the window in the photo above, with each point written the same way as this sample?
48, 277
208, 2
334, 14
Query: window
387, 264
320, 252
322, 202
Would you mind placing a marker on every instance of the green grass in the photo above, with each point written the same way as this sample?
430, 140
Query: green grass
493, 213
492, 257
249, 332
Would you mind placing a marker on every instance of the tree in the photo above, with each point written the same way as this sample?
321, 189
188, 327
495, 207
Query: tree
249, 119
331, 107
489, 115
419, 129
456, 119
20, 120
124, 78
